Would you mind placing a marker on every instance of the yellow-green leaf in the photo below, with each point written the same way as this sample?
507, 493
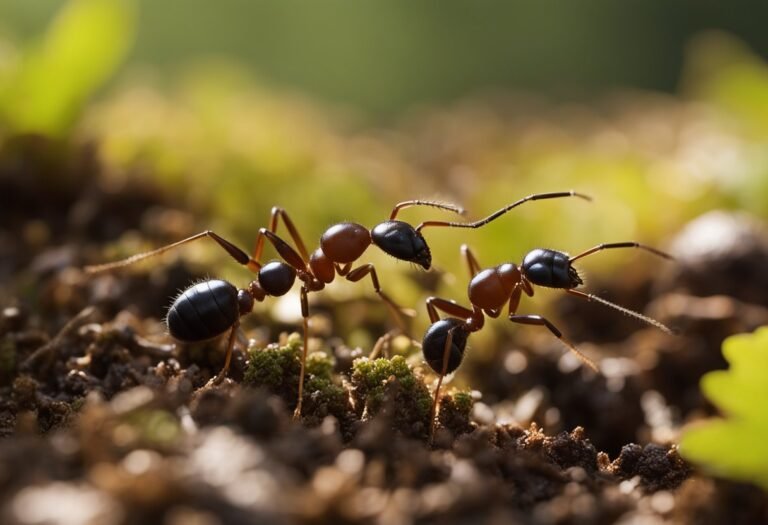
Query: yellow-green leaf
81, 49
735, 446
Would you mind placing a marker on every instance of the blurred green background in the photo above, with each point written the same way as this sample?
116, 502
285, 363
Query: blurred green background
338, 110
383, 57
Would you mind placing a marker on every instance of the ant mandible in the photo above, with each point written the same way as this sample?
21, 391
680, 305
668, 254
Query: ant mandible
491, 289
210, 308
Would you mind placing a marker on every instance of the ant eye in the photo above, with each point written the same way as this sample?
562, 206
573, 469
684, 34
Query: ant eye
402, 241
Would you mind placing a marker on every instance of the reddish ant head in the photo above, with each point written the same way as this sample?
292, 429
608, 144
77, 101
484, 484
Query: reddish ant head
401, 240
433, 345
276, 278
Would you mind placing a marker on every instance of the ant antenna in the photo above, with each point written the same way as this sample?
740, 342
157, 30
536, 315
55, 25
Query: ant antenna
629, 244
505, 209
435, 204
627, 311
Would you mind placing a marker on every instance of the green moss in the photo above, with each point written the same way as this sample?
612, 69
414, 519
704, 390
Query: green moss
464, 402
320, 364
277, 369
455, 411
323, 397
391, 383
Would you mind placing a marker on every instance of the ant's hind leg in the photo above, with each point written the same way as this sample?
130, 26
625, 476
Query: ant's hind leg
302, 371
433, 414
228, 356
540, 321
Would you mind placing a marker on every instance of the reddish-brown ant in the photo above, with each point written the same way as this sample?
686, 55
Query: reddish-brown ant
491, 289
212, 307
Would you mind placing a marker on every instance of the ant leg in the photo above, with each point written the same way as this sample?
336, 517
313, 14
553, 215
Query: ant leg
285, 250
343, 270
449, 307
540, 321
612, 245
442, 205
469, 257
382, 344
305, 319
234, 252
631, 313
368, 269
514, 299
434, 414
275, 215
493, 313
228, 357
505, 209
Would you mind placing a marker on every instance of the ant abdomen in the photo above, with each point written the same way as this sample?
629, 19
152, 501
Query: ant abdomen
433, 344
203, 311
550, 268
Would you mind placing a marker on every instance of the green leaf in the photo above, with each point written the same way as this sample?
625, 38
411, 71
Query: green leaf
734, 446
81, 49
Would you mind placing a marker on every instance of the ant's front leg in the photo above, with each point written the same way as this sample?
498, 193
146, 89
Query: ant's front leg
276, 214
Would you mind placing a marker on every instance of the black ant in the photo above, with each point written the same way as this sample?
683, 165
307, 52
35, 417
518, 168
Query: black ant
491, 289
210, 308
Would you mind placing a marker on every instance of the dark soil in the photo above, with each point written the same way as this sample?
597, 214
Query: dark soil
104, 420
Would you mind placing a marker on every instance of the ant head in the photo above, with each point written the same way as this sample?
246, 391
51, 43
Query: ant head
433, 345
276, 278
550, 268
401, 240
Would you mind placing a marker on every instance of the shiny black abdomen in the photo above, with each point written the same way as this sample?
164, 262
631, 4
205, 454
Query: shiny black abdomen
433, 345
550, 268
203, 311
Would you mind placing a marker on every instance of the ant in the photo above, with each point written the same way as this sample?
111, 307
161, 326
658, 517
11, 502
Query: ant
491, 289
210, 308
